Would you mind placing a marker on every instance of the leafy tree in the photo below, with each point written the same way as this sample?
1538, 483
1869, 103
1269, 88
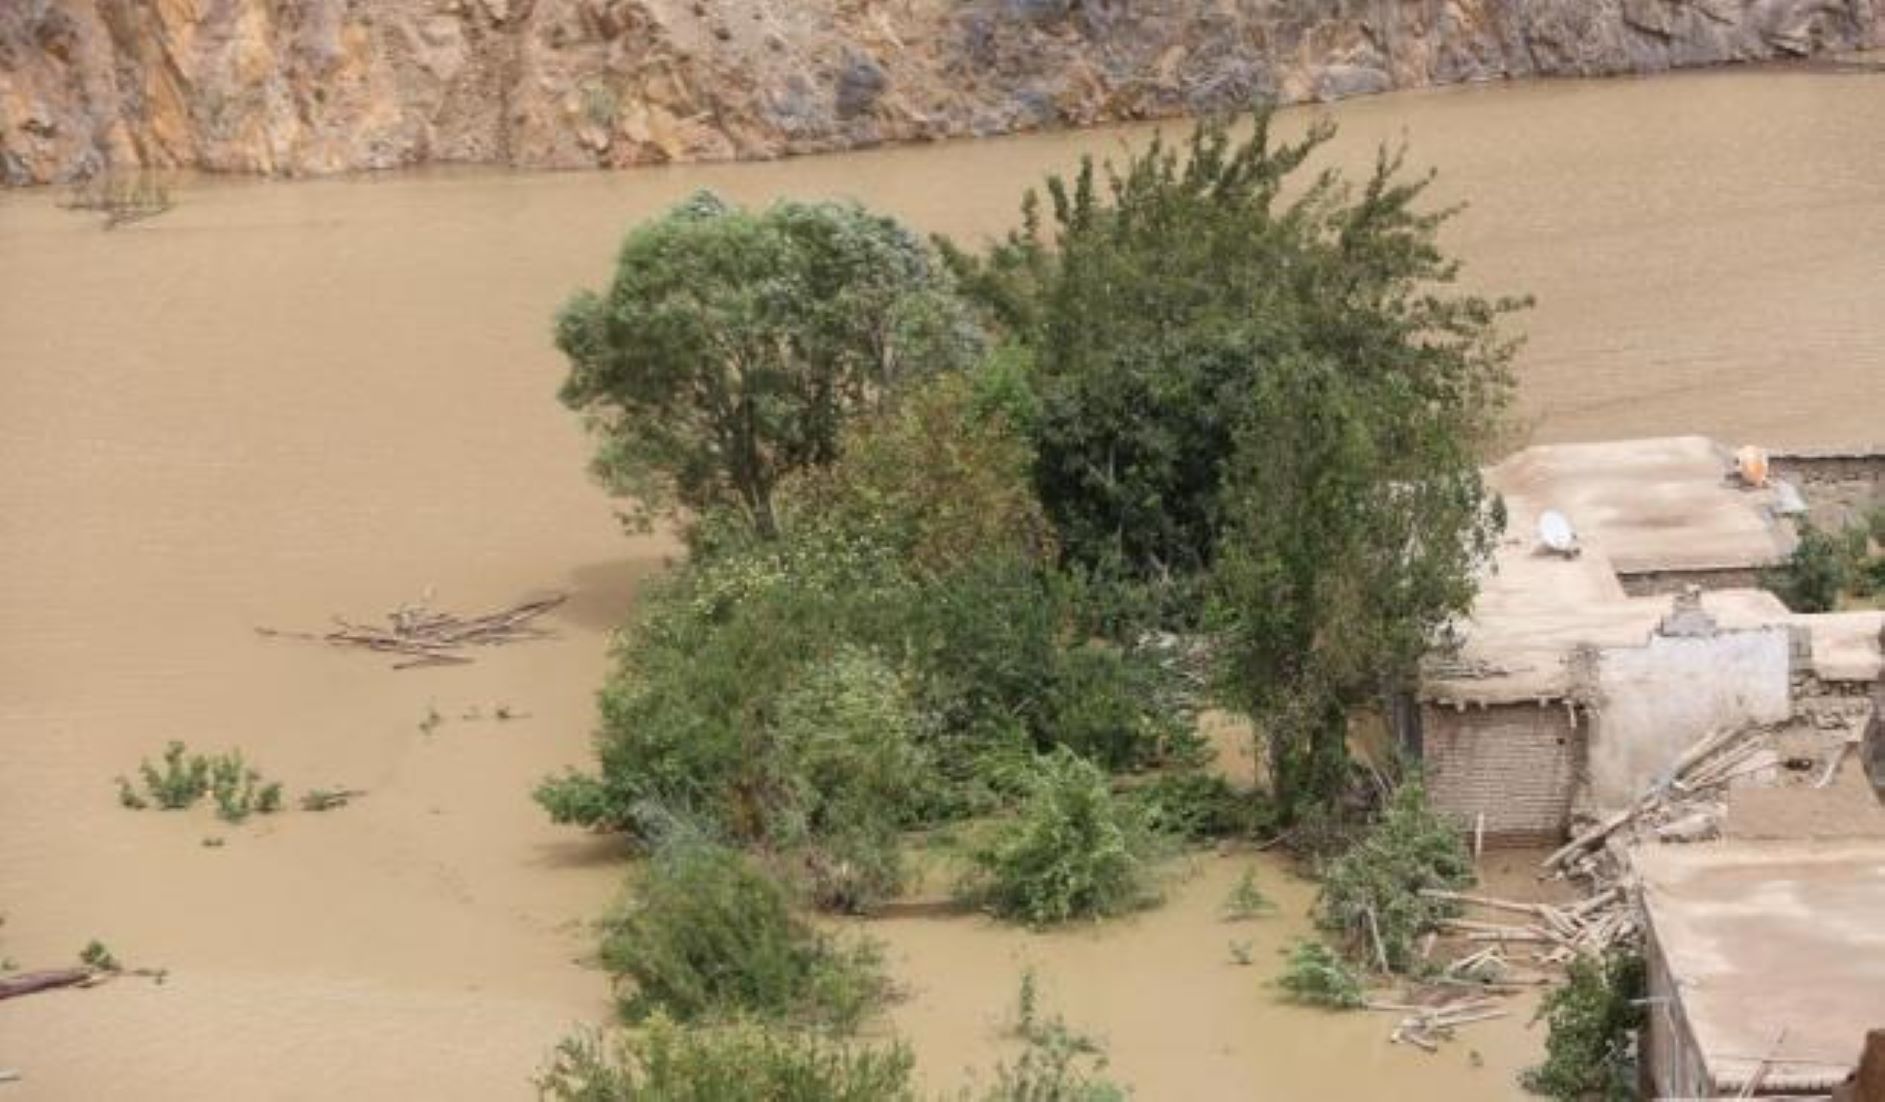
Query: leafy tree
732, 347
940, 477
1355, 524
1232, 363
1591, 1049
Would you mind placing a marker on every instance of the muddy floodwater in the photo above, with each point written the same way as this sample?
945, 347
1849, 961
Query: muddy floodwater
282, 402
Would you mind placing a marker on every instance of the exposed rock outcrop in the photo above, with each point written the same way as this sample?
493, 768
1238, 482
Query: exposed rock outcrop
314, 86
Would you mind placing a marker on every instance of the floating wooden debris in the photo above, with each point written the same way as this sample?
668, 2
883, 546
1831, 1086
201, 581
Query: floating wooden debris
51, 979
421, 636
1425, 1026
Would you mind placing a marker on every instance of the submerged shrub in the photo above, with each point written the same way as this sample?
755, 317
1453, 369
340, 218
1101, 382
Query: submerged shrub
1318, 976
180, 783
98, 958
709, 935
1072, 851
1197, 804
667, 1063
1058, 1064
1371, 894
239, 791
1591, 1050
1246, 900
185, 778
851, 776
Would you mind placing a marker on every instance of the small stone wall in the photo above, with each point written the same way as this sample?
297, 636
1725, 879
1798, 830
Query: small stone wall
1658, 583
1517, 764
1839, 484
1652, 702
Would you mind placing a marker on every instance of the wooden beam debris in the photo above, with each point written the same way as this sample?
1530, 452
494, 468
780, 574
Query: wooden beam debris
420, 636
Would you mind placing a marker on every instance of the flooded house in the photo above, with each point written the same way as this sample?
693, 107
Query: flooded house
1766, 965
1586, 668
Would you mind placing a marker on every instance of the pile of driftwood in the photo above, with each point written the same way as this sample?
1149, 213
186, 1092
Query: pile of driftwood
1588, 927
420, 636
1426, 1025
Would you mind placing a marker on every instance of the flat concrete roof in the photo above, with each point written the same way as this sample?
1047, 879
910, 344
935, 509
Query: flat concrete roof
1846, 645
1640, 505
1664, 503
1761, 936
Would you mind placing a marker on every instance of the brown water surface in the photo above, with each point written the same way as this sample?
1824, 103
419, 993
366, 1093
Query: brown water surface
285, 401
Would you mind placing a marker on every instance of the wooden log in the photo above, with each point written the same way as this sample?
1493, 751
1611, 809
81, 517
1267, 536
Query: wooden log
1701, 748
1380, 950
1480, 901
1587, 839
1448, 1022
27, 983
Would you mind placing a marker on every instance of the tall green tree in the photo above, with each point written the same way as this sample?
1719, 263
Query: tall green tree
732, 346
1263, 379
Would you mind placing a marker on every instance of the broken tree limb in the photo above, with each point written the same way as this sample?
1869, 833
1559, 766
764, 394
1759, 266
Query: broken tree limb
27, 983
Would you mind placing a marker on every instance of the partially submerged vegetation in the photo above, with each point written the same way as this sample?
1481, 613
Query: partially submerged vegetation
709, 936
972, 538
1072, 851
183, 778
1590, 1051
665, 1062
1372, 896
1317, 975
743, 1059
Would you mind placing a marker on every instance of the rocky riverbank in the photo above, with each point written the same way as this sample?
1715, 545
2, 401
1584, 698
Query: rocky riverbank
324, 86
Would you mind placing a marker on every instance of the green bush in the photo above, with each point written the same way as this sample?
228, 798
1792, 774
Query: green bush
185, 778
708, 935
98, 958
1373, 891
850, 774
1109, 706
1072, 851
1197, 804
1591, 1049
1816, 573
239, 791
1317, 975
737, 1063
180, 783
1246, 900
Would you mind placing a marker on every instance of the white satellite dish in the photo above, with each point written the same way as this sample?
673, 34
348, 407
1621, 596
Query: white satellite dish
1556, 533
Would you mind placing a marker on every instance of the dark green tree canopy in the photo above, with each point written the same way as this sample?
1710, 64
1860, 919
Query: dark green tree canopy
1265, 383
732, 346
1157, 298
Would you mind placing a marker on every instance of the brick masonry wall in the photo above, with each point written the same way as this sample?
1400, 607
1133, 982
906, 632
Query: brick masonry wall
1516, 763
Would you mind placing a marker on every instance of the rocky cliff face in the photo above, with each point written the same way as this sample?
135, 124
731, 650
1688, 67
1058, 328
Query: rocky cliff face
313, 86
